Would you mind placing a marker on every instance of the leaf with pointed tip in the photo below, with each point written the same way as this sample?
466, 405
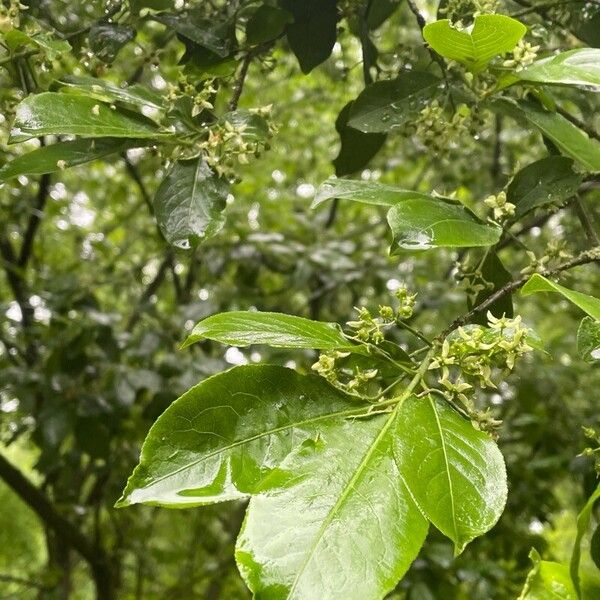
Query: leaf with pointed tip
569, 139
490, 36
135, 96
367, 192
312, 33
421, 224
344, 526
578, 68
223, 437
189, 203
384, 105
538, 283
454, 472
63, 155
545, 181
51, 113
107, 39
588, 339
547, 581
242, 328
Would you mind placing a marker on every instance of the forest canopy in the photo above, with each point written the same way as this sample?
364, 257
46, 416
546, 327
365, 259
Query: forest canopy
324, 274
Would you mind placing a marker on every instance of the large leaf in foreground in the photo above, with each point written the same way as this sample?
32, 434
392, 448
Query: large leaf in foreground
189, 203
579, 68
241, 328
545, 181
454, 472
420, 224
63, 155
538, 283
224, 436
367, 192
384, 105
569, 139
345, 525
51, 113
474, 47
583, 523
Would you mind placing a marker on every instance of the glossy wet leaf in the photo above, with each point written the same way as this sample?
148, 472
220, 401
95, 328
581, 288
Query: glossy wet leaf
569, 139
344, 526
312, 33
367, 192
384, 105
547, 581
242, 328
62, 155
212, 35
189, 203
455, 473
135, 96
538, 283
51, 46
588, 339
222, 438
421, 224
356, 148
578, 68
583, 524
69, 114
546, 181
107, 39
490, 36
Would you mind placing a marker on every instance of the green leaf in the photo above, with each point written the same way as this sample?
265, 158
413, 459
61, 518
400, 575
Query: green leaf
214, 36
546, 181
367, 192
455, 473
538, 283
588, 339
595, 546
547, 581
135, 96
137, 5
266, 23
107, 39
474, 47
356, 148
49, 45
344, 526
495, 273
421, 224
223, 437
379, 11
62, 155
242, 328
583, 524
189, 203
578, 68
52, 113
384, 105
312, 34
569, 139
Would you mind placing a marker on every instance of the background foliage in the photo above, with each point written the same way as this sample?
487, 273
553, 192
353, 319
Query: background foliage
95, 303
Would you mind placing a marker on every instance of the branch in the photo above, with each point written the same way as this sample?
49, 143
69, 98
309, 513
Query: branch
34, 220
241, 79
587, 222
588, 256
62, 527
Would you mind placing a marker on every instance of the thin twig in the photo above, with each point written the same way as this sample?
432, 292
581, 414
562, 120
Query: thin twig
586, 220
238, 87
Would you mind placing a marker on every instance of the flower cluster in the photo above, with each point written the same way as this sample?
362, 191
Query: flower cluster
555, 253
593, 452
467, 358
10, 16
459, 10
350, 379
522, 56
502, 208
